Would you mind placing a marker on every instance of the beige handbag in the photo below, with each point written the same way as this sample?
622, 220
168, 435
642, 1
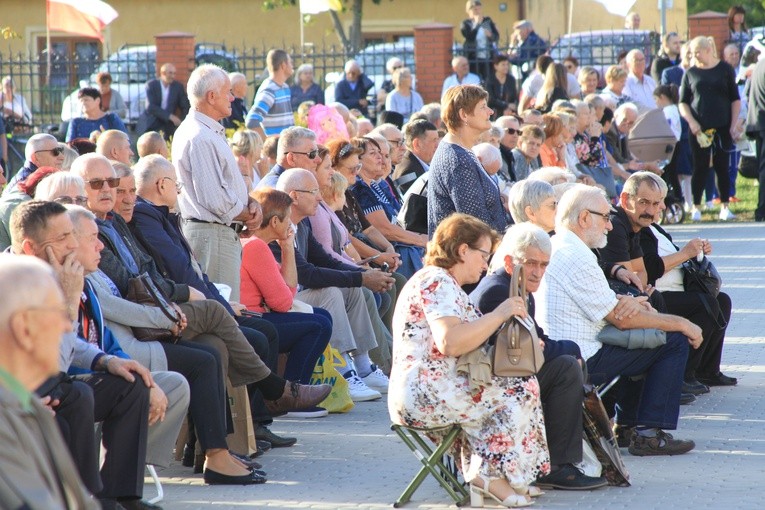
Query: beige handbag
517, 352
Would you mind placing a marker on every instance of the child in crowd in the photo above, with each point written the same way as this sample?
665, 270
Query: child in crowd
679, 170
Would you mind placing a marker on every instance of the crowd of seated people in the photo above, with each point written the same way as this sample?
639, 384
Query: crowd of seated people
319, 227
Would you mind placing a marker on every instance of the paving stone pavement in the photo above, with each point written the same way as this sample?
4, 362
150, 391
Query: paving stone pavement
353, 460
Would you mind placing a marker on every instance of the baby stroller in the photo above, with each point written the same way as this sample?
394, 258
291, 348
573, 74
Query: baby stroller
652, 139
674, 212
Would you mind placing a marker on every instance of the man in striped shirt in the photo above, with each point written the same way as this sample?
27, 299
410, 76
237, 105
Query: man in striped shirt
271, 110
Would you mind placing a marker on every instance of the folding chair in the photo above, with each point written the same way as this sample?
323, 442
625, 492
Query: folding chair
434, 462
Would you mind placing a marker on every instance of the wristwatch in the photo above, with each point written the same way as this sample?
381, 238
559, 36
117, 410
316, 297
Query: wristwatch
107, 359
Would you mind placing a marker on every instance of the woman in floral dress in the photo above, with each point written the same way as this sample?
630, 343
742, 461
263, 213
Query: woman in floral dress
502, 448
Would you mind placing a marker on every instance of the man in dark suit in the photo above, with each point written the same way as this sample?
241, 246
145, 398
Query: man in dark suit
421, 138
561, 377
755, 128
164, 98
353, 89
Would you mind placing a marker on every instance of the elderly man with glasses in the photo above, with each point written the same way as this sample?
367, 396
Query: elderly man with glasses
561, 377
576, 303
41, 150
296, 148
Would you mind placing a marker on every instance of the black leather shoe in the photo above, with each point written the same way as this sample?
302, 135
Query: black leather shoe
264, 433
214, 478
694, 387
188, 456
262, 444
718, 379
569, 478
687, 398
244, 459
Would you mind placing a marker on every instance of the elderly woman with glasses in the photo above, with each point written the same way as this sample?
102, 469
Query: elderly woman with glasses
368, 241
305, 89
15, 109
533, 201
502, 448
380, 210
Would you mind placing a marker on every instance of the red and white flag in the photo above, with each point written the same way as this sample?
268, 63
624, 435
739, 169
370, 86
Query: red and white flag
82, 17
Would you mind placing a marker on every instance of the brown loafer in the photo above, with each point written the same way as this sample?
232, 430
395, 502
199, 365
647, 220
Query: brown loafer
298, 396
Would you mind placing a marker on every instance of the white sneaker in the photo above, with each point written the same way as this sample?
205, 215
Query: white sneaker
359, 391
695, 215
709, 205
376, 380
726, 214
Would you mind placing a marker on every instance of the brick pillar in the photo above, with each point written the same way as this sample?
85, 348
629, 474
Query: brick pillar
176, 48
432, 57
710, 24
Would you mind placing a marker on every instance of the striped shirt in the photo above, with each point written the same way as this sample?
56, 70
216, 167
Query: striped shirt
213, 187
271, 109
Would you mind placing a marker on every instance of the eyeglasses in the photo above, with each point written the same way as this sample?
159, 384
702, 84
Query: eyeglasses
396, 143
97, 184
78, 200
314, 192
608, 217
485, 255
397, 67
56, 152
310, 155
178, 185
62, 312
354, 168
512, 131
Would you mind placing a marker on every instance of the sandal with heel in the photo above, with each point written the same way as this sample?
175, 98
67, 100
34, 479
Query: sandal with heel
514, 500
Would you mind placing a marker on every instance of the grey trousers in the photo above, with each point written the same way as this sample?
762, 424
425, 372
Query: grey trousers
218, 251
382, 355
351, 326
211, 324
162, 435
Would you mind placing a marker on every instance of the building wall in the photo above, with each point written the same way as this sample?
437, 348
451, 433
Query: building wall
243, 22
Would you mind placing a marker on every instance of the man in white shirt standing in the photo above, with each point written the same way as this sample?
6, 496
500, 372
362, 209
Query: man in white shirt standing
640, 86
575, 302
214, 194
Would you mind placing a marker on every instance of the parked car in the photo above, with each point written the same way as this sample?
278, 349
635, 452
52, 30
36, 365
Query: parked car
601, 48
132, 66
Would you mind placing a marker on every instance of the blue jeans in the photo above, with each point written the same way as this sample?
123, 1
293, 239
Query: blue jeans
304, 336
653, 401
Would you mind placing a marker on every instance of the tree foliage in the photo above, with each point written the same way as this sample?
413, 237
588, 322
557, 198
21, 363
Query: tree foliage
755, 9
351, 41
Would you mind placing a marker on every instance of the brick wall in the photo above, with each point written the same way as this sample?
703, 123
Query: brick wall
710, 24
176, 48
432, 56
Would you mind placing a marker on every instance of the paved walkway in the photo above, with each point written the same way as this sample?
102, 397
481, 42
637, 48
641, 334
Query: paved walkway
354, 460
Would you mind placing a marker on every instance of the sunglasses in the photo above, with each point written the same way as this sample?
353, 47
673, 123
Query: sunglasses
97, 184
310, 155
56, 152
512, 131
78, 200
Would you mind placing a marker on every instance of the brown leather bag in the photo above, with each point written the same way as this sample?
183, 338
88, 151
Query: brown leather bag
517, 352
142, 290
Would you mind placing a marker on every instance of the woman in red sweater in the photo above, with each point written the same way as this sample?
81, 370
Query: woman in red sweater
269, 288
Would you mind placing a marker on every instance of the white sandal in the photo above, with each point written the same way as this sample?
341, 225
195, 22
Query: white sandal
477, 495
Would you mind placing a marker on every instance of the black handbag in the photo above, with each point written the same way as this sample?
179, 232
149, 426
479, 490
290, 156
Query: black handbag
747, 167
701, 277
142, 290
